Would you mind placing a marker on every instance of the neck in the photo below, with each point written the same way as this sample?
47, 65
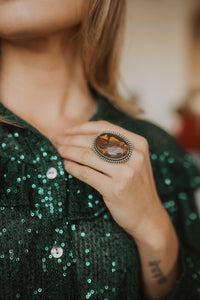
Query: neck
44, 77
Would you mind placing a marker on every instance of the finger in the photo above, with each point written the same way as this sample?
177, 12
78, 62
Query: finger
75, 140
87, 157
97, 180
95, 127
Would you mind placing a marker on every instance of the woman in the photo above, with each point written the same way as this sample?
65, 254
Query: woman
74, 224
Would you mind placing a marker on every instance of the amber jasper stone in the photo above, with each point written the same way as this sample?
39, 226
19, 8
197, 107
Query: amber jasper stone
111, 145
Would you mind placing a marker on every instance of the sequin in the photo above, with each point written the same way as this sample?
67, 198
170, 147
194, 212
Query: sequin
73, 227
37, 212
193, 216
167, 181
90, 204
154, 156
182, 196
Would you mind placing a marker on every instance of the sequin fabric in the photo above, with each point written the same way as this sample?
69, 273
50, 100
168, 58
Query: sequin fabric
57, 237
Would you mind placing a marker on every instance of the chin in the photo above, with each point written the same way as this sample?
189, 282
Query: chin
23, 19
25, 32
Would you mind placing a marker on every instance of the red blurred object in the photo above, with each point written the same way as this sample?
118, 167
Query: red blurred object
189, 135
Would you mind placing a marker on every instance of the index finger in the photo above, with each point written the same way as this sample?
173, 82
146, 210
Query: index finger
96, 127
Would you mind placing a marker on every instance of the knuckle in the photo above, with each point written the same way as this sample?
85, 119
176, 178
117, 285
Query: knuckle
103, 122
140, 157
145, 144
61, 150
84, 173
69, 139
119, 188
86, 154
68, 166
128, 173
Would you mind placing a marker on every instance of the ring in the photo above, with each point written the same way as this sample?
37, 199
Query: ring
112, 147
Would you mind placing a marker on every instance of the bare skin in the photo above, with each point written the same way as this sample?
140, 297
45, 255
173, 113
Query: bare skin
41, 77
42, 81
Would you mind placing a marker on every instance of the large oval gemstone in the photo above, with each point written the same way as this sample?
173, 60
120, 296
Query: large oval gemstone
112, 145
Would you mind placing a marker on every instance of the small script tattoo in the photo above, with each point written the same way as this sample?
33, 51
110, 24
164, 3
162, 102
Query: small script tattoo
156, 271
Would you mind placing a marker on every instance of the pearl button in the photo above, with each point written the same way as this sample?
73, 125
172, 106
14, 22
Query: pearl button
57, 251
51, 173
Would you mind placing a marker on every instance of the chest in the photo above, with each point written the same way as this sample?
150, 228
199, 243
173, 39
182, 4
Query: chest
61, 230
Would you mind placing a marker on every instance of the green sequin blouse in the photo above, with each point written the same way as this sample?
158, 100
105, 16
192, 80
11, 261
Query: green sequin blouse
59, 241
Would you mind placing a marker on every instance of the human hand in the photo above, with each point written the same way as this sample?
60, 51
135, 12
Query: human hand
128, 188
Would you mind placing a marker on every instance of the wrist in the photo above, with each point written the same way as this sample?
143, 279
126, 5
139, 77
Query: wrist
156, 232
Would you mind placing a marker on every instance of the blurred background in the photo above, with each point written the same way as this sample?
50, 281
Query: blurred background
161, 65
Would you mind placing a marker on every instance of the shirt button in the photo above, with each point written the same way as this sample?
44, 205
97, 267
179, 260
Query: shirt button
51, 173
57, 251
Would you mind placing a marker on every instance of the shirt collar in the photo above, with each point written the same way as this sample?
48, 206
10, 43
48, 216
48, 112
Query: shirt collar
28, 145
28, 131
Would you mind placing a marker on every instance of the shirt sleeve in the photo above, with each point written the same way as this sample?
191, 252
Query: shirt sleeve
187, 225
178, 186
177, 180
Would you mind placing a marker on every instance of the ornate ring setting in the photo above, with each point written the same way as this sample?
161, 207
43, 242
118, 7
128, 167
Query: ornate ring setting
112, 147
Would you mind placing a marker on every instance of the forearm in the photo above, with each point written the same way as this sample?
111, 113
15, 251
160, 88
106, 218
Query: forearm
159, 256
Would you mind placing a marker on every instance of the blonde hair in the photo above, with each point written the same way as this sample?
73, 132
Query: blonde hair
102, 36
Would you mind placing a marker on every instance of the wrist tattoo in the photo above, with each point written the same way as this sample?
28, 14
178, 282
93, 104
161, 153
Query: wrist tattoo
156, 271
